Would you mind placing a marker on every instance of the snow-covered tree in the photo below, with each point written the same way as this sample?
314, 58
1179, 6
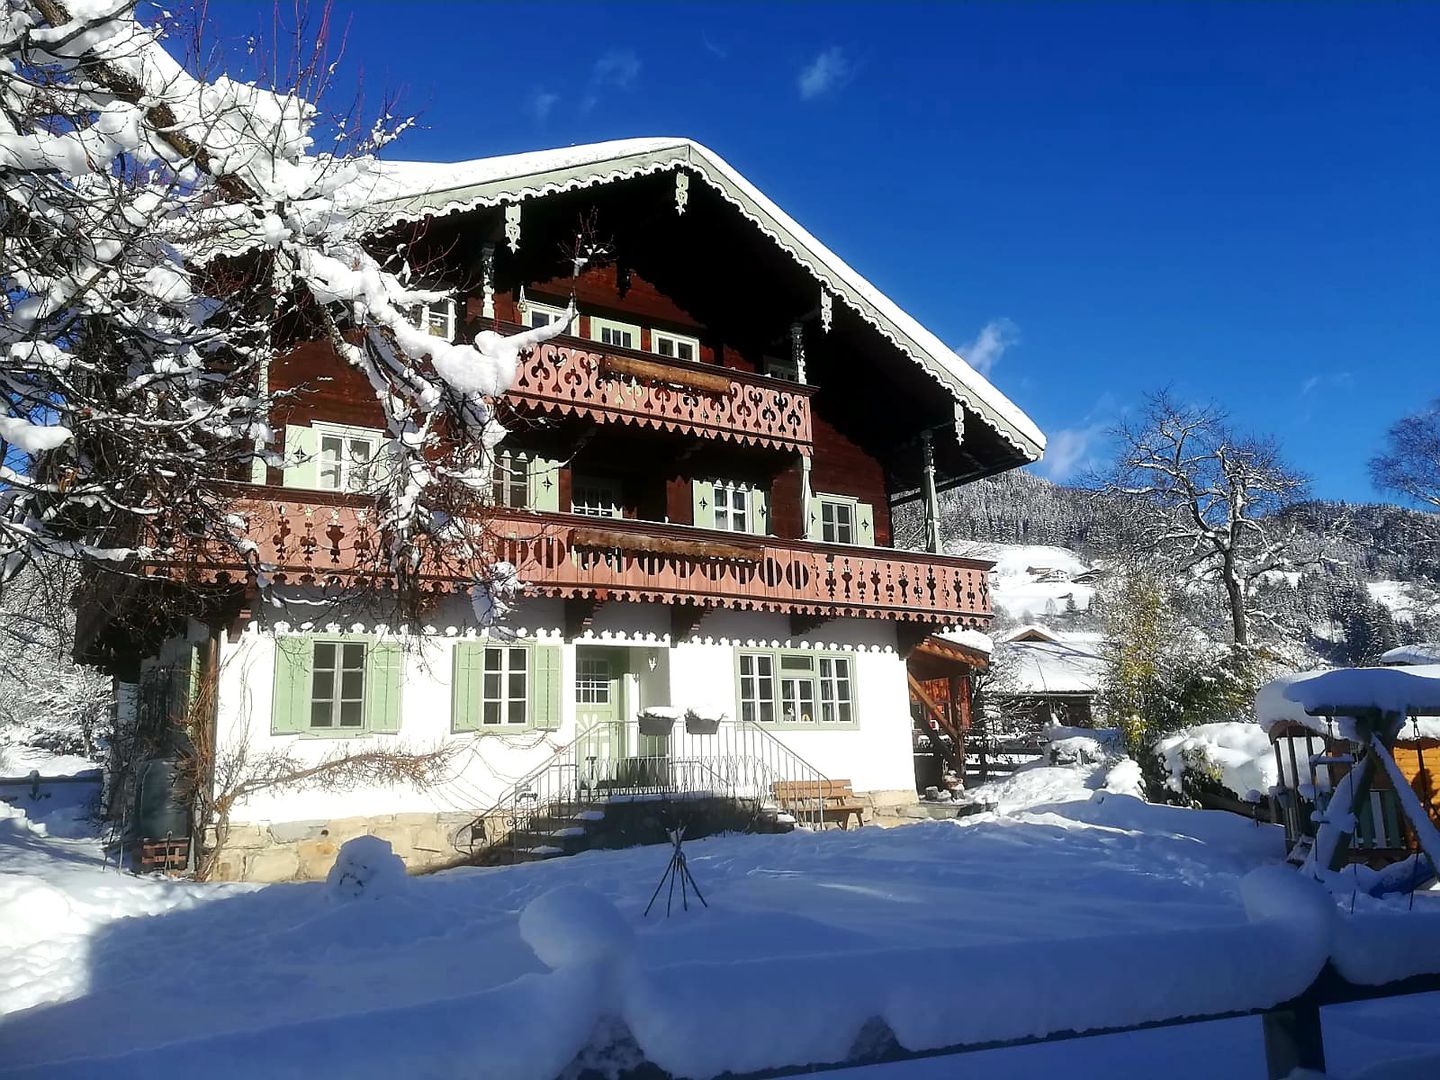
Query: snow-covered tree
1410, 463
158, 224
1206, 498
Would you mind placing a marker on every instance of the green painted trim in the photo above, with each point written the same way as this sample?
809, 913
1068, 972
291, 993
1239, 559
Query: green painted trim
853, 724
544, 688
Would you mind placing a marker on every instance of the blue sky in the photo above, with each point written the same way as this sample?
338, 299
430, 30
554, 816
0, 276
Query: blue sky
1238, 201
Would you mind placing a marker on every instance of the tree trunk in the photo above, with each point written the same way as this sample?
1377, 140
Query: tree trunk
1239, 618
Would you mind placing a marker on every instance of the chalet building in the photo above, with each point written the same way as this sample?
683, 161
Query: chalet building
696, 489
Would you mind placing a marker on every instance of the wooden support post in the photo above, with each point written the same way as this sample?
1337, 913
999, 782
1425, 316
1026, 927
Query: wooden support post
1293, 1040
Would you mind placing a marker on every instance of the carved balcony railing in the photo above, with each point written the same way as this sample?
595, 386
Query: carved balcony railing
569, 377
336, 543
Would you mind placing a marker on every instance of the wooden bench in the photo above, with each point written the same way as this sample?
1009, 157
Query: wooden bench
833, 799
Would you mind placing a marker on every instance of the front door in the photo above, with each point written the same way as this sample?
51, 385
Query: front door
599, 707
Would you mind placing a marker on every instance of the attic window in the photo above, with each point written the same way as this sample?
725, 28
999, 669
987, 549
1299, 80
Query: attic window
675, 346
437, 318
541, 314
618, 334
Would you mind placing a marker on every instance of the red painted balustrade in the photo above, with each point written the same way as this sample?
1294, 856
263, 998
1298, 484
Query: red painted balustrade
565, 377
577, 557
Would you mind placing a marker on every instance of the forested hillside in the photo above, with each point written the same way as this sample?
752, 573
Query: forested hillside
1374, 581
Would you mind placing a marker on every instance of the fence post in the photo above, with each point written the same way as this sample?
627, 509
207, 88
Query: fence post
1293, 1040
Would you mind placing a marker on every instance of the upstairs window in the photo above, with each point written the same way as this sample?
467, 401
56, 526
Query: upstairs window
595, 497
347, 457
437, 318
675, 346
837, 520
781, 368
734, 506
510, 479
617, 334
533, 314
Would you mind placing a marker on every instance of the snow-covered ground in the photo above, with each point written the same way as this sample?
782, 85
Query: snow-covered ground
1032, 581
1072, 903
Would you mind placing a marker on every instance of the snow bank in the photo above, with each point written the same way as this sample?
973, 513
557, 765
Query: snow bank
1241, 753
573, 925
365, 868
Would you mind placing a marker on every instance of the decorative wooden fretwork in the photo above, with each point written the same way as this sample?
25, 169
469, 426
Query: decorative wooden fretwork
561, 555
647, 391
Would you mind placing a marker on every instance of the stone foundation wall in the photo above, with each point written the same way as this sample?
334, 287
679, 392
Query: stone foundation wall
306, 850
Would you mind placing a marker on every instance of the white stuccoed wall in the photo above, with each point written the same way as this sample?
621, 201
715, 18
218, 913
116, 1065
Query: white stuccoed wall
875, 757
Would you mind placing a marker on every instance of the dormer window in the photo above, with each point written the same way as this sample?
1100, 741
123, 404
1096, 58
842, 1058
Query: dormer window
618, 334
675, 346
437, 317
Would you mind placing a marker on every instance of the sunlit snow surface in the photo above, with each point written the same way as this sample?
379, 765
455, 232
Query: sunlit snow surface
101, 964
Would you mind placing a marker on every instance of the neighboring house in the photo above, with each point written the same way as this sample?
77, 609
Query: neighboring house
1046, 676
696, 491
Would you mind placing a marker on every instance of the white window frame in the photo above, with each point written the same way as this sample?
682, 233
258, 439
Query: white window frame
503, 700
675, 340
336, 699
781, 367
851, 505
598, 325
604, 483
776, 695
557, 314
346, 435
736, 501
447, 308
515, 465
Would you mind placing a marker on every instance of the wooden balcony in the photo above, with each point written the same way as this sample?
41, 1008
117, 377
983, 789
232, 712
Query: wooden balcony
570, 377
334, 542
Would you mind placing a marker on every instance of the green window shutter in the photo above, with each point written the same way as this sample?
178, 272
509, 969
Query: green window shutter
384, 663
545, 687
290, 707
865, 524
302, 457
704, 495
760, 523
466, 687
544, 484
812, 520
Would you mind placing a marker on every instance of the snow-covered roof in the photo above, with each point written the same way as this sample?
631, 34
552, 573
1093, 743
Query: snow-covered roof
1069, 663
968, 639
1310, 698
1421, 652
411, 190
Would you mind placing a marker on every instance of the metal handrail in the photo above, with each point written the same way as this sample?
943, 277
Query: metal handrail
738, 760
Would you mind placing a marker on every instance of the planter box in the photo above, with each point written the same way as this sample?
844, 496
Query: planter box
653, 723
701, 725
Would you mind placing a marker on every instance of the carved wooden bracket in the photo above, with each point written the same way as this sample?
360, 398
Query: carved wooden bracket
685, 620
579, 611
802, 623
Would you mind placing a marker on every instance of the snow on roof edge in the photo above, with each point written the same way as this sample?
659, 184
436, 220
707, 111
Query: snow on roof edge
489, 181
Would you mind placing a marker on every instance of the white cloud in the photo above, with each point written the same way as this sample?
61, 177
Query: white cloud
1069, 452
1332, 380
826, 72
616, 69
541, 104
990, 344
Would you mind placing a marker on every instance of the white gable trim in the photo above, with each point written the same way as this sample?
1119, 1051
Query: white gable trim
409, 191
